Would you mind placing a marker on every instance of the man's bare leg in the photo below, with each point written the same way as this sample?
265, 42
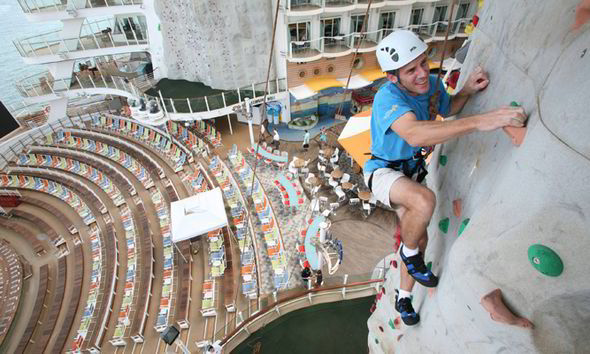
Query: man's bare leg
418, 202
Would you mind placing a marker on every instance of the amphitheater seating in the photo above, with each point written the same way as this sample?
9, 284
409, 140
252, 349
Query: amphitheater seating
209, 299
11, 282
50, 187
208, 131
94, 290
77, 167
168, 280
146, 277
106, 166
105, 150
268, 224
190, 139
133, 267
72, 307
158, 140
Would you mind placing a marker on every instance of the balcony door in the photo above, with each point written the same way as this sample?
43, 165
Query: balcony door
463, 10
386, 23
356, 23
440, 16
299, 32
330, 30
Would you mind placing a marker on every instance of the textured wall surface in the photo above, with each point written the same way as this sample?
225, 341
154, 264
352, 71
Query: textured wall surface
514, 197
222, 43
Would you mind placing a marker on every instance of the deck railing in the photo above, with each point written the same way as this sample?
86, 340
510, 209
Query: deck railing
39, 6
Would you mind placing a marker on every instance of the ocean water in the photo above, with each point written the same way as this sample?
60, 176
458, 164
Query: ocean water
13, 25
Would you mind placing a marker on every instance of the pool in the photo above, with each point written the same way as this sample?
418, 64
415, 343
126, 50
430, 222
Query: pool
337, 327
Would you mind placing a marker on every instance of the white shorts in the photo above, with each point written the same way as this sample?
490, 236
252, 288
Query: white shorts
383, 179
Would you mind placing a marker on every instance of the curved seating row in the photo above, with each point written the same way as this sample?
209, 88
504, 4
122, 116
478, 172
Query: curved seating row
76, 167
70, 310
11, 281
158, 140
146, 276
163, 214
208, 131
268, 224
94, 290
245, 236
291, 192
190, 139
133, 267
67, 139
49, 187
99, 163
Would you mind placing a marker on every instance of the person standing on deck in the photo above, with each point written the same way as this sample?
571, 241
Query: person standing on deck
401, 129
306, 138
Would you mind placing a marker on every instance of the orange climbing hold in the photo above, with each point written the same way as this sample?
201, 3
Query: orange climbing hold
515, 134
457, 207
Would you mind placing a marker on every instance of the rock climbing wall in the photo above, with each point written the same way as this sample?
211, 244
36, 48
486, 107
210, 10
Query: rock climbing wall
222, 43
525, 211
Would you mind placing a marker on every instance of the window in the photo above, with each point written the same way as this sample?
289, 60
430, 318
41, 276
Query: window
386, 23
440, 14
330, 27
299, 31
356, 23
463, 10
416, 18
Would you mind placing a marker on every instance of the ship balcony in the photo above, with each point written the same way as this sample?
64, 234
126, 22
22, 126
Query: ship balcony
70, 6
43, 87
314, 7
336, 46
49, 47
436, 31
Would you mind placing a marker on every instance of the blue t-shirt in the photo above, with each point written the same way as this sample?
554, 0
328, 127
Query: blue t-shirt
391, 103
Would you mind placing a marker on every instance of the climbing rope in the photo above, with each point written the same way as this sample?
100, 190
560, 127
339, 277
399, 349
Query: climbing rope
272, 47
433, 107
351, 66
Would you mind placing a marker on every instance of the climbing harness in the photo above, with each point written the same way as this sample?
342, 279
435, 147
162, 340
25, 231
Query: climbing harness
409, 167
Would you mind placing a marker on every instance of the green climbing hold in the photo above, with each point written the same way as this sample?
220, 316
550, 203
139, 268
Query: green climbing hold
545, 260
443, 160
463, 226
429, 266
391, 324
514, 104
443, 225
376, 341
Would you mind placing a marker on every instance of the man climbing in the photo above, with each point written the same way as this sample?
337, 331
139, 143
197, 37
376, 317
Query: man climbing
401, 125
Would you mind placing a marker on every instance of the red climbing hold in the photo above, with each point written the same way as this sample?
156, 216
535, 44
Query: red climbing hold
398, 238
379, 296
396, 322
475, 20
372, 309
383, 290
394, 264
457, 207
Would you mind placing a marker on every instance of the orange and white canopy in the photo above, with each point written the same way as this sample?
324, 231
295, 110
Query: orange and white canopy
356, 137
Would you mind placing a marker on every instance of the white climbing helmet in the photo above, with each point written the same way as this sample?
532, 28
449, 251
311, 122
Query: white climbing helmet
398, 49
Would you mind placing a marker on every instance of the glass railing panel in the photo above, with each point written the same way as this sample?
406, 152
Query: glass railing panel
336, 3
215, 102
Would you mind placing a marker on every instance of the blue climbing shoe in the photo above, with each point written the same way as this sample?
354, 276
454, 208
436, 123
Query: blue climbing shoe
418, 270
405, 308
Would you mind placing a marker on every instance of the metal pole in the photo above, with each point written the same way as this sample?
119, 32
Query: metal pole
190, 109
231, 131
